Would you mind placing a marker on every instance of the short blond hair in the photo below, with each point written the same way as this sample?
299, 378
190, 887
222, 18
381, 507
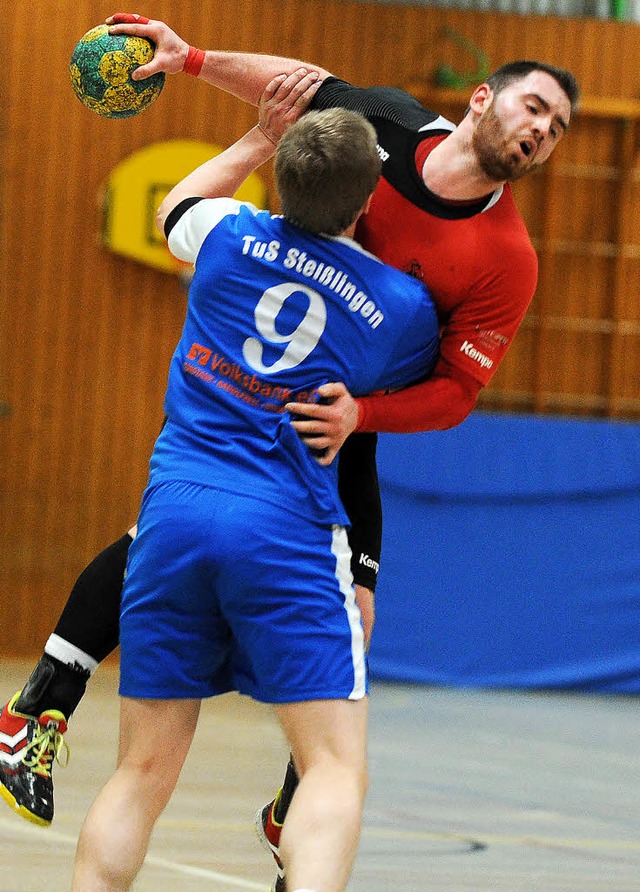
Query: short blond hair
326, 166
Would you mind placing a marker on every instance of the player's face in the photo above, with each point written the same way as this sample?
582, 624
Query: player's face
520, 126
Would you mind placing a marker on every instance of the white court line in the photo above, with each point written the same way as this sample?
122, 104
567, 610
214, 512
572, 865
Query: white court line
223, 879
529, 839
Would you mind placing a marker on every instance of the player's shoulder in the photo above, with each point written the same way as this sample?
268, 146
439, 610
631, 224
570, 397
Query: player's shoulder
397, 283
508, 248
203, 212
379, 103
191, 222
376, 270
507, 220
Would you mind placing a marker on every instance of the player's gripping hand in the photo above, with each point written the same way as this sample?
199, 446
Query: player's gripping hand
172, 52
284, 100
328, 424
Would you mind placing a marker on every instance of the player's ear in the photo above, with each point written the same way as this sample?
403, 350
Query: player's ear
367, 204
481, 98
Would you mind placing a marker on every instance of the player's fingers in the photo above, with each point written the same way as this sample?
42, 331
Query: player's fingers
128, 18
272, 87
318, 442
145, 71
306, 95
292, 79
301, 102
132, 29
310, 428
327, 457
295, 83
301, 93
332, 390
310, 410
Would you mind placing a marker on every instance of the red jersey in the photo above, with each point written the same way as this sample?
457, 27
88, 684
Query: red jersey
476, 258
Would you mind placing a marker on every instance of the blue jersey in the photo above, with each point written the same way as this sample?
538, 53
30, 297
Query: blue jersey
273, 313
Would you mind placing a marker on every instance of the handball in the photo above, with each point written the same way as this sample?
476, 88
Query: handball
100, 70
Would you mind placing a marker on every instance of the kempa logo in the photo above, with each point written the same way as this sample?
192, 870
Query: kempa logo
384, 155
469, 350
369, 562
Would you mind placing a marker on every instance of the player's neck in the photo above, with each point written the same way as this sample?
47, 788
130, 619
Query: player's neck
351, 231
451, 171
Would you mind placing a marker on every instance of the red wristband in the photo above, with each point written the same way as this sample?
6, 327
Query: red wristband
194, 61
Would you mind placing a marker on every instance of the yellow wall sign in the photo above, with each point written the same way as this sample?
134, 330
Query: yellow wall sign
137, 186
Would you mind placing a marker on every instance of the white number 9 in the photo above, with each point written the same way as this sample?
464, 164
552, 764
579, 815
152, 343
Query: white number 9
300, 342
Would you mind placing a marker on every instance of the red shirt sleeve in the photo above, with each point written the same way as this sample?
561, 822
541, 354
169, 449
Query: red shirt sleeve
443, 401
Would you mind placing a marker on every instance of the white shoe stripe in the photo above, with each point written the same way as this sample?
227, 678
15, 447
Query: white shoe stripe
9, 741
10, 760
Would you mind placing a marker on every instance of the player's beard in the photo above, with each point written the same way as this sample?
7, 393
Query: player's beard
490, 144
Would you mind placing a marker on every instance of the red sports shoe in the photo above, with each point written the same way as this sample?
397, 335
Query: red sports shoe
268, 830
28, 746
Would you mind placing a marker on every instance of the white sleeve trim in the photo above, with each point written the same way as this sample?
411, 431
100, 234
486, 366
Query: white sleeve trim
188, 234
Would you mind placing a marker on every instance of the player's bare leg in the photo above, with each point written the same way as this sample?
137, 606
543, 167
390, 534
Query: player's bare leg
270, 818
155, 736
320, 836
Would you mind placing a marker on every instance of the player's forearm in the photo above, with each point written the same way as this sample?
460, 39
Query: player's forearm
246, 75
439, 403
222, 175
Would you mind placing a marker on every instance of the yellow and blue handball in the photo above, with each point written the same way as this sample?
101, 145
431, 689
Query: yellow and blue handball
101, 67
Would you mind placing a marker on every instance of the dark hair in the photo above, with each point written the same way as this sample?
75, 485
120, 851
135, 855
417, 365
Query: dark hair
515, 71
326, 166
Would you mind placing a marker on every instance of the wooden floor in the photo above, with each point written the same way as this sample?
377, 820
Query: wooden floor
469, 791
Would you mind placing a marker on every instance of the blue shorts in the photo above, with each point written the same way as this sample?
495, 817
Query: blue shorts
225, 592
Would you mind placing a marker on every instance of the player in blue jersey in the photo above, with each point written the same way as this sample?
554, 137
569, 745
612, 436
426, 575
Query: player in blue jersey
239, 576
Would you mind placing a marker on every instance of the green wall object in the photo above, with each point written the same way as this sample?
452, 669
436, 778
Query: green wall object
618, 9
446, 76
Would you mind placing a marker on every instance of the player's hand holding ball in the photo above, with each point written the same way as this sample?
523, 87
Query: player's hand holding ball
101, 69
172, 53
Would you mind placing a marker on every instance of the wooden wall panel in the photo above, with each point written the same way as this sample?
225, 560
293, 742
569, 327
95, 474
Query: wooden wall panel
86, 336
629, 302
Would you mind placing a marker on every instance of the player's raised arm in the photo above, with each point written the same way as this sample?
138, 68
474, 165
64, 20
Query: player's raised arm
284, 99
244, 75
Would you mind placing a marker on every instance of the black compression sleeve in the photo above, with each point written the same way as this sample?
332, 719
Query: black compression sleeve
360, 494
91, 617
382, 103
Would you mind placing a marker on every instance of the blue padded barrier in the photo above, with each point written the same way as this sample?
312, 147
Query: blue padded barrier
511, 555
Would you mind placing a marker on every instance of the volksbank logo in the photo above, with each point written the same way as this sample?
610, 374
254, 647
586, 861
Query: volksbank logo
369, 562
469, 350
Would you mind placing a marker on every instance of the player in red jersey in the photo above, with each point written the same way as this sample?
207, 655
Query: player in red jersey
443, 211
474, 252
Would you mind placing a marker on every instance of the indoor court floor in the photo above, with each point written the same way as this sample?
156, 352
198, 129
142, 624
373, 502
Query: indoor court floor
470, 790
